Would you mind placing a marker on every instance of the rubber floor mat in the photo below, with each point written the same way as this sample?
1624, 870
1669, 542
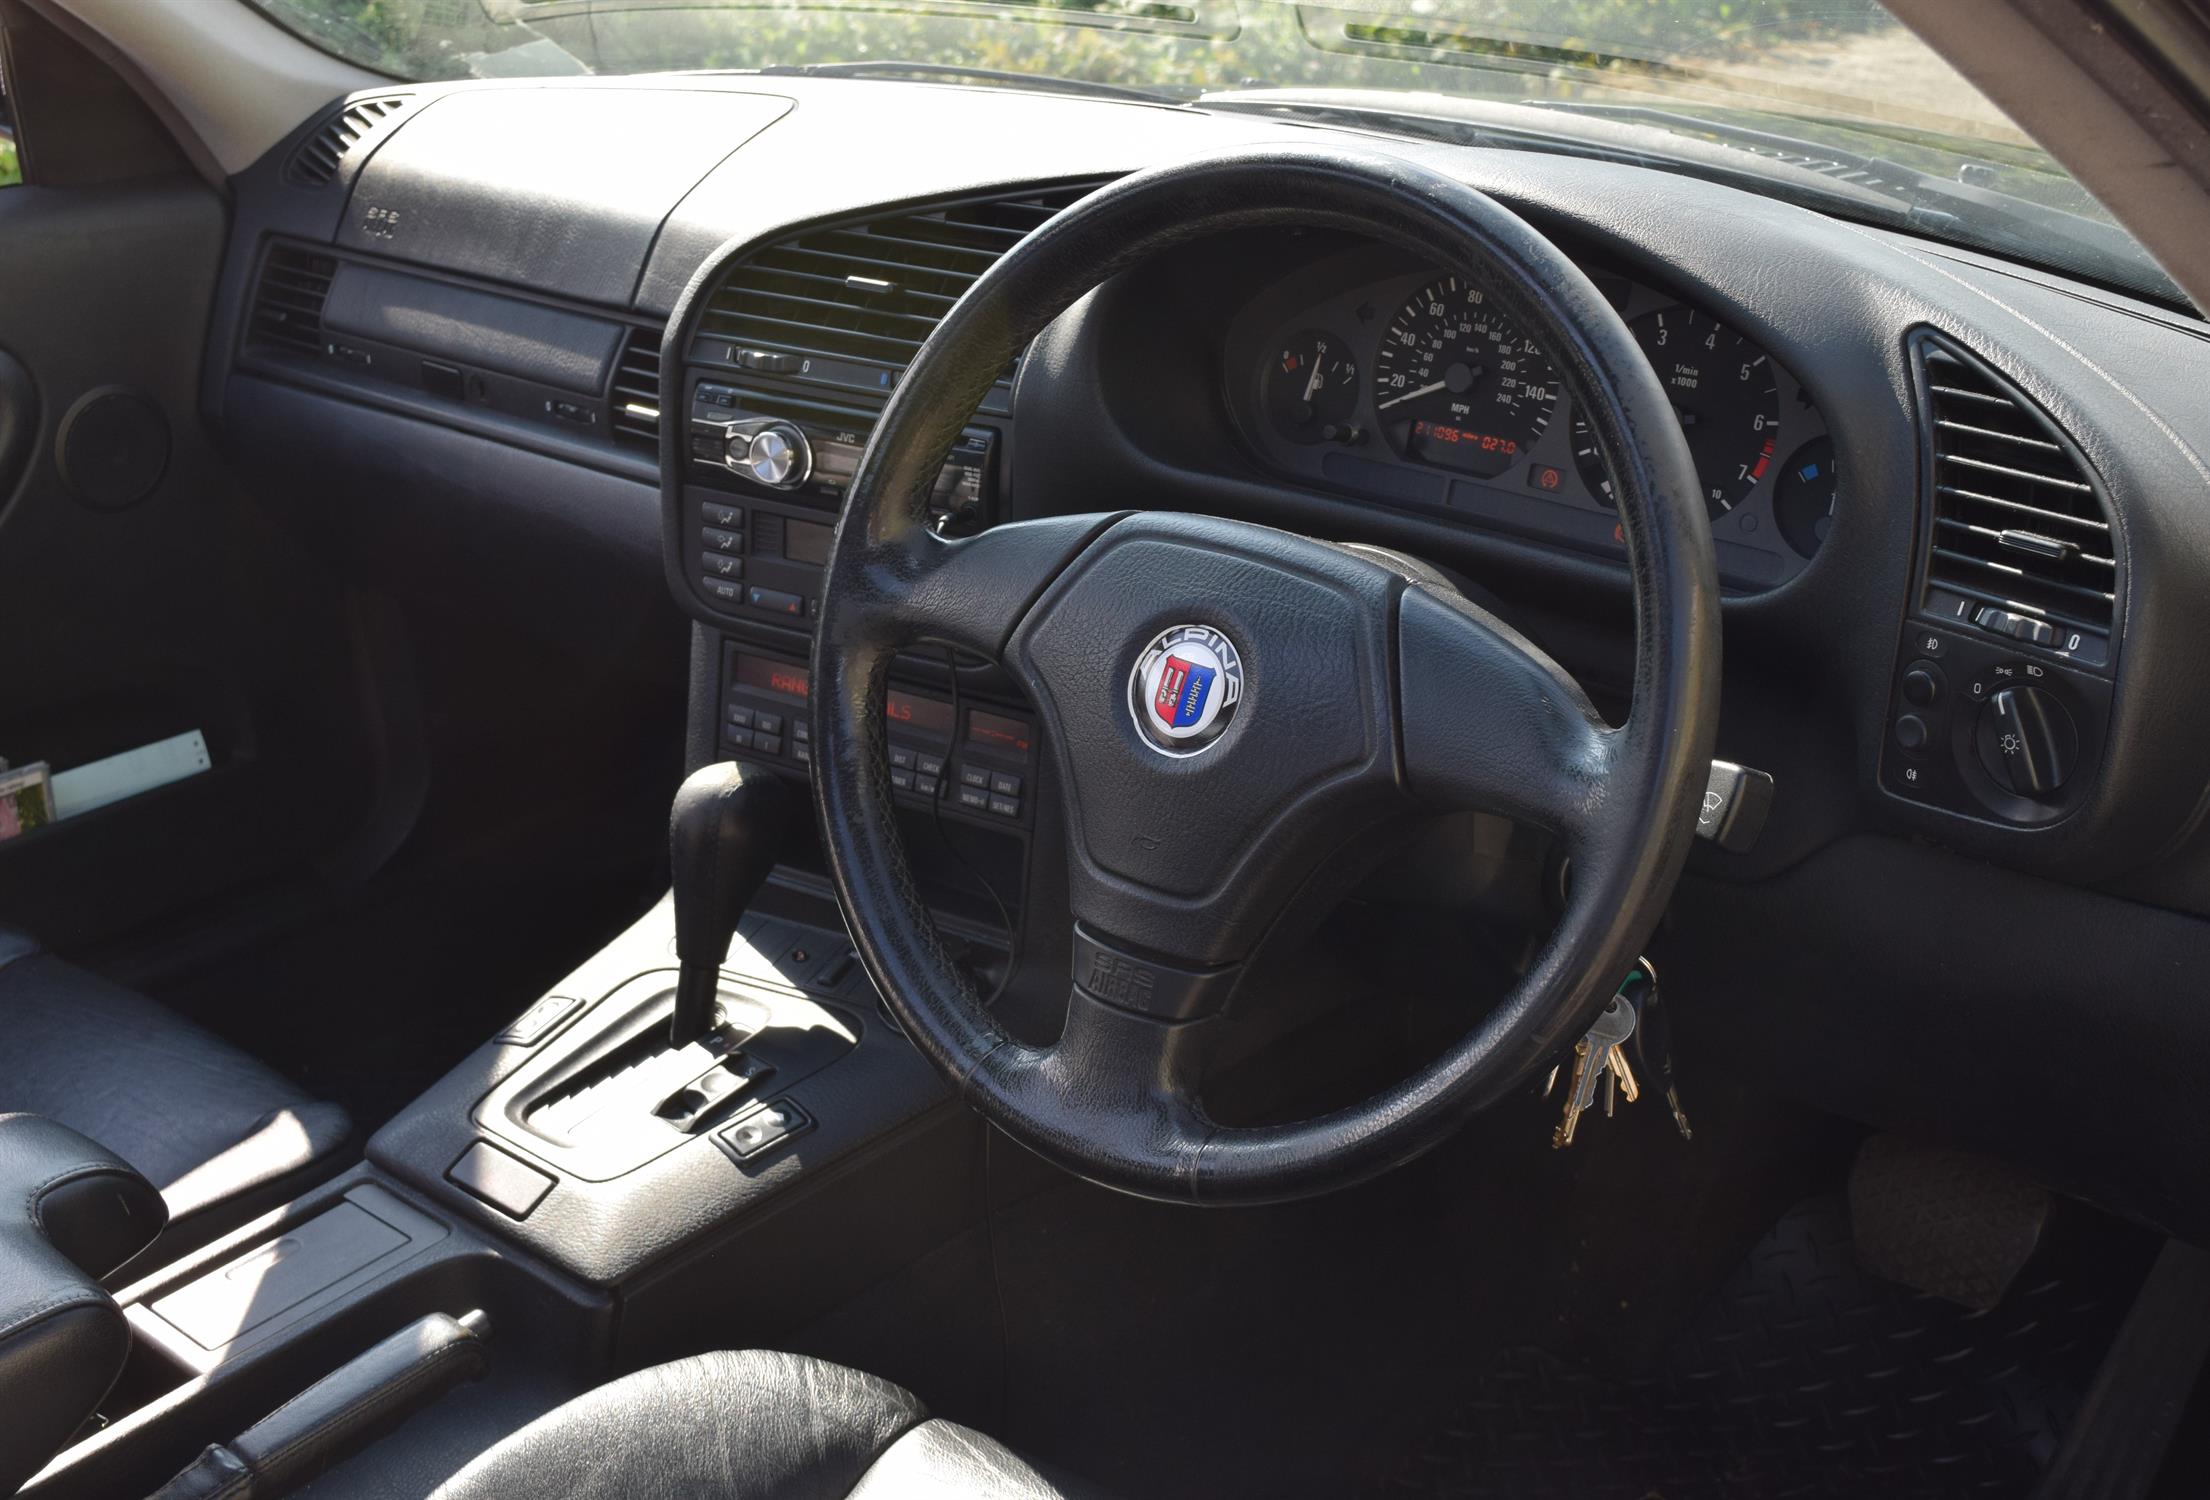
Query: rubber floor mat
1804, 1377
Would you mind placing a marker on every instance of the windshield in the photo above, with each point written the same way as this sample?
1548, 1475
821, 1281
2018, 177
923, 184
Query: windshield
1819, 99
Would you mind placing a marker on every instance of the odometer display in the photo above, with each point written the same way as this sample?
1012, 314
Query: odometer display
1457, 385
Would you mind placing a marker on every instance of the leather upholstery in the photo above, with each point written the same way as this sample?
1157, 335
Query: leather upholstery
747, 1426
220, 1135
62, 1339
940, 1458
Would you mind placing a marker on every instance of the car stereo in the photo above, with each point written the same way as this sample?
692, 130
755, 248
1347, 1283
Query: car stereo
766, 477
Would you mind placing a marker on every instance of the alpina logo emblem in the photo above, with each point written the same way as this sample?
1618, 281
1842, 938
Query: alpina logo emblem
1185, 689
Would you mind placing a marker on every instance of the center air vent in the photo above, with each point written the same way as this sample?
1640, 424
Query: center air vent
850, 304
287, 305
318, 158
2021, 525
636, 394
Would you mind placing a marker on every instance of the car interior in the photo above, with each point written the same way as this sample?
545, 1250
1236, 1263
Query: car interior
1224, 748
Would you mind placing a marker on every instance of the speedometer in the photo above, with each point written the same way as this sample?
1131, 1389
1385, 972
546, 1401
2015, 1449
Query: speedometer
1456, 384
1722, 388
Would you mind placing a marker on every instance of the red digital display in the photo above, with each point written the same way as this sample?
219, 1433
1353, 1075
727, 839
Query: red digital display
1479, 442
999, 732
929, 715
780, 678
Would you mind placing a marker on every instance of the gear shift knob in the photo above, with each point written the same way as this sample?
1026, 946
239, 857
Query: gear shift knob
725, 833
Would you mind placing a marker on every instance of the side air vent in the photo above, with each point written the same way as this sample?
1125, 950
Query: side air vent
318, 158
636, 394
2022, 530
287, 305
851, 304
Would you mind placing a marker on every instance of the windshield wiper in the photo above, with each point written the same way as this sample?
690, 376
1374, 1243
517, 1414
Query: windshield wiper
1039, 82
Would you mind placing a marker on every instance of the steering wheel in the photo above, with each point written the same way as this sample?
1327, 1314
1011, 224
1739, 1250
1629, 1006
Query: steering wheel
1229, 707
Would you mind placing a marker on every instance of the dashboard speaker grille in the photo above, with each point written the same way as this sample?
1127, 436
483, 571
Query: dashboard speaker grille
287, 305
865, 295
2020, 520
636, 394
318, 158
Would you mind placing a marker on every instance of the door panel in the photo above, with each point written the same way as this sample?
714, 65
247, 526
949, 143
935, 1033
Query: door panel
141, 596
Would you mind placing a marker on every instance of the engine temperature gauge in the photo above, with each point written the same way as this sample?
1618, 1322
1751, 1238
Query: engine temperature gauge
1804, 502
1311, 385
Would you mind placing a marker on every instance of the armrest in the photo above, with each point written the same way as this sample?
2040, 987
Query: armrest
70, 1212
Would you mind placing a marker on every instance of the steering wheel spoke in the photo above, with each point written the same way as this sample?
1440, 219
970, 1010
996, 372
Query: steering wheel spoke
1490, 722
972, 592
1131, 1079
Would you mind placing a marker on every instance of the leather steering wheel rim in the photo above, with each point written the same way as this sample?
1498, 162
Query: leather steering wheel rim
1442, 706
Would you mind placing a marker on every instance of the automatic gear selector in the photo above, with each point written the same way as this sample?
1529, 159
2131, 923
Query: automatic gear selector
725, 833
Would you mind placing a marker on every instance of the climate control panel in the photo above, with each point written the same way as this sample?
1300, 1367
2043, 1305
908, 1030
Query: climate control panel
964, 760
1976, 728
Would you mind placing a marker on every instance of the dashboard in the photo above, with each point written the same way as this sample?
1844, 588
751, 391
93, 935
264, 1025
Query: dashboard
1950, 506
1398, 384
1961, 512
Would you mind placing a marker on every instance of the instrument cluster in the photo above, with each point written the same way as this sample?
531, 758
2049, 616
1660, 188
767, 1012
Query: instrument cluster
1365, 374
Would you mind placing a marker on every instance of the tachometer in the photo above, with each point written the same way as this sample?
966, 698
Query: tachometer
1722, 388
1457, 384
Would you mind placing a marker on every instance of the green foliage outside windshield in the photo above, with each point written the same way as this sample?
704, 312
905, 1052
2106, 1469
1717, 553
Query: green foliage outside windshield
1168, 44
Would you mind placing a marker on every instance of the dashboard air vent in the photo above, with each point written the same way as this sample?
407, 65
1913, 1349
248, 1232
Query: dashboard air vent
858, 299
287, 305
318, 158
636, 394
2020, 522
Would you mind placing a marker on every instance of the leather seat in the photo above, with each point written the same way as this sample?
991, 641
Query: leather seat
221, 1136
750, 1426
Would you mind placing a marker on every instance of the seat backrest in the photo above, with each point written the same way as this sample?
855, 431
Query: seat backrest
70, 1213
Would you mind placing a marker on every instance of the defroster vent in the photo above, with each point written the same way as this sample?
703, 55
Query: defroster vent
2022, 540
320, 156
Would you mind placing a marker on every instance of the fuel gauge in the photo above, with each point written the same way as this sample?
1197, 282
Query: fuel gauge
1311, 385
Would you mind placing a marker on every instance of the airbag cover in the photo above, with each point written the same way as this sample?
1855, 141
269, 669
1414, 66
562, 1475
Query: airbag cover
1307, 622
563, 190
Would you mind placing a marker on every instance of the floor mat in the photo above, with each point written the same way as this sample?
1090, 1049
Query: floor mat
1804, 1377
